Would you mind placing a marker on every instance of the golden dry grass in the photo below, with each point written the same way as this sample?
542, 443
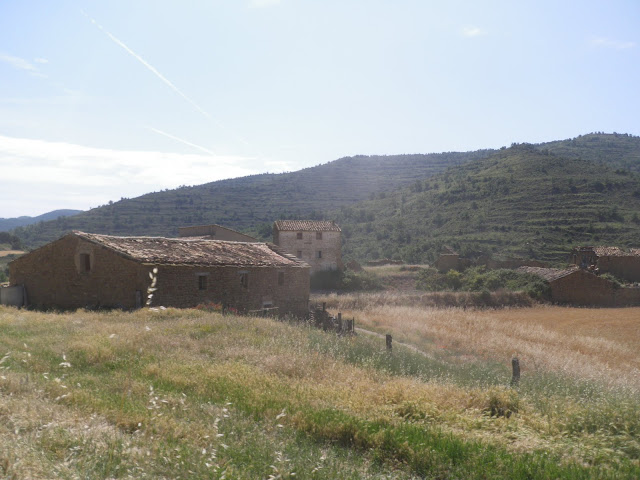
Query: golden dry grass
103, 403
593, 344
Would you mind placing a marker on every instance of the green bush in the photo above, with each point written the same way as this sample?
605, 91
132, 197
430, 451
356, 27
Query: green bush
352, 281
478, 279
347, 281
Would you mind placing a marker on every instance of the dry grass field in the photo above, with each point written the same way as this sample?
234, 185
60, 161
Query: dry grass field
191, 394
589, 343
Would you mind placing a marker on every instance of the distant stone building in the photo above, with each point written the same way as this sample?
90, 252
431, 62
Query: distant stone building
89, 270
623, 264
214, 232
577, 286
318, 243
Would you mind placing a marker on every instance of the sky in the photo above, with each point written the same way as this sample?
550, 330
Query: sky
104, 100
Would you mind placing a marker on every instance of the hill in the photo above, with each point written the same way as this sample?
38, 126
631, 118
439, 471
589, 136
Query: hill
252, 203
522, 201
7, 224
528, 200
615, 150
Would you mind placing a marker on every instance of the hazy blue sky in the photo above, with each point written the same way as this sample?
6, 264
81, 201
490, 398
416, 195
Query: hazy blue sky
105, 99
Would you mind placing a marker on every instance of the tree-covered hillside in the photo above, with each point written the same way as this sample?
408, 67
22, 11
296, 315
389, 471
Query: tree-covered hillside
520, 202
252, 203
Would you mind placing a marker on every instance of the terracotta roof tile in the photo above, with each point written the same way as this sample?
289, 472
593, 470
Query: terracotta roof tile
609, 252
194, 251
306, 226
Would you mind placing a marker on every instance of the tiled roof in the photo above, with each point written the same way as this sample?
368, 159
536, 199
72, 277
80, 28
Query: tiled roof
609, 252
603, 251
549, 274
194, 251
306, 226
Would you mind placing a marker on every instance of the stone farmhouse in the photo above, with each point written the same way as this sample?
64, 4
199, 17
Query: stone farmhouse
623, 264
578, 286
90, 270
214, 232
318, 243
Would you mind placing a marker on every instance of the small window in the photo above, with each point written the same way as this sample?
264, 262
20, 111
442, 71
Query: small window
299, 236
319, 253
85, 262
299, 254
244, 279
318, 235
202, 282
280, 278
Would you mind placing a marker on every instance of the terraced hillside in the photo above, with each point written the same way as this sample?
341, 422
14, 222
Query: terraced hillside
518, 202
252, 203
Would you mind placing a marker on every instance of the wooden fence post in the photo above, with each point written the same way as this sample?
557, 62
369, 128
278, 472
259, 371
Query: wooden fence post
389, 340
515, 365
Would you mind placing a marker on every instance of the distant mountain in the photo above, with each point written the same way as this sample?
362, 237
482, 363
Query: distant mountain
522, 201
7, 224
252, 203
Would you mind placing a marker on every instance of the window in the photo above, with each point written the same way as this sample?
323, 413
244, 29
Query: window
299, 254
299, 236
244, 279
85, 262
202, 282
319, 253
318, 235
280, 278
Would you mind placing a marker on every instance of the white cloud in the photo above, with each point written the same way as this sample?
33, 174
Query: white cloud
263, 3
473, 32
67, 175
21, 64
40, 60
610, 43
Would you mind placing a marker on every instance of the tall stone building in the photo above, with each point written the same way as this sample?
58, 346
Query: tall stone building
318, 243
90, 270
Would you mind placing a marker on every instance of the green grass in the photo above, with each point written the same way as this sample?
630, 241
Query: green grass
189, 394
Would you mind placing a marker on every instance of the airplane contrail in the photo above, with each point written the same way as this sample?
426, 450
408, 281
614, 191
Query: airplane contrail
181, 140
153, 70
150, 67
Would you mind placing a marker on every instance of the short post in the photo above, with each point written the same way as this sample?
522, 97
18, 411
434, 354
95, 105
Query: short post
515, 365
324, 306
339, 322
265, 312
389, 340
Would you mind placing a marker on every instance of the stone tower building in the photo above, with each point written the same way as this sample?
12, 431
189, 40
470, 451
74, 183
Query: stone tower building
318, 243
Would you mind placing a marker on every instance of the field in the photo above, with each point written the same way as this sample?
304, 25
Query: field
587, 343
191, 394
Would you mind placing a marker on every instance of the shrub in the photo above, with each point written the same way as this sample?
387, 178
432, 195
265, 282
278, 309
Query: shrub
352, 281
477, 279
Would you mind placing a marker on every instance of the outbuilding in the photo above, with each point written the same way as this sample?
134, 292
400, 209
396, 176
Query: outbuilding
90, 270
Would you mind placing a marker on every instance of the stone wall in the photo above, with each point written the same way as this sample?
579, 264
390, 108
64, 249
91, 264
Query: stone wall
583, 288
56, 275
215, 232
243, 288
627, 296
307, 248
626, 268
